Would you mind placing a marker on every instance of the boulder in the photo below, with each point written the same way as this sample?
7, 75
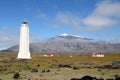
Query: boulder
34, 70
16, 75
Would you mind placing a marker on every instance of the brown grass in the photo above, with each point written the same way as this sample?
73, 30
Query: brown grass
12, 65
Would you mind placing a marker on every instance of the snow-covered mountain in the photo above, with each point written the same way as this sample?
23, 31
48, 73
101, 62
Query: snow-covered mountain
71, 43
70, 37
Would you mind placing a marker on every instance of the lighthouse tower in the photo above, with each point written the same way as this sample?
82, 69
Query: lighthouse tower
24, 42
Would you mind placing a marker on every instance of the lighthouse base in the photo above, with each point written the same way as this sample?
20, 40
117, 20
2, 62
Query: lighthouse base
24, 56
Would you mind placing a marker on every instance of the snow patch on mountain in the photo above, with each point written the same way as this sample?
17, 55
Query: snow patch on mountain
66, 35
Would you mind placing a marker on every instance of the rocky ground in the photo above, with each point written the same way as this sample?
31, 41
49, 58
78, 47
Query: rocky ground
78, 67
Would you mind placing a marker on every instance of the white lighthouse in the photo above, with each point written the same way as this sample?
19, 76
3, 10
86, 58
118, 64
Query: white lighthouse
24, 52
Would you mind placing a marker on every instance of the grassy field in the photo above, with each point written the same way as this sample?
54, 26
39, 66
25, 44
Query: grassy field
60, 67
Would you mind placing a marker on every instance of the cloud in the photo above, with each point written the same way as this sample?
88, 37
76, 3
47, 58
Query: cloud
68, 19
4, 31
41, 16
8, 41
6, 38
108, 8
106, 14
96, 22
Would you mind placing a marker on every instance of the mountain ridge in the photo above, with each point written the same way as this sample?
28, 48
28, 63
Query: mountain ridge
71, 43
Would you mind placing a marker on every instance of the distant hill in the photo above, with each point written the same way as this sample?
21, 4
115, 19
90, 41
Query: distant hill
71, 43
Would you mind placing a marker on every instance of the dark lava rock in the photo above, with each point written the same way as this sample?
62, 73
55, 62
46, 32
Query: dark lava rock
76, 68
16, 75
34, 70
87, 78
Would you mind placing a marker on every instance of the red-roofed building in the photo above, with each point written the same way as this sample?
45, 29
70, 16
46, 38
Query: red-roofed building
97, 54
48, 55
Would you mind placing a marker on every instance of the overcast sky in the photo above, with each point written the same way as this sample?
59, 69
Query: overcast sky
97, 19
